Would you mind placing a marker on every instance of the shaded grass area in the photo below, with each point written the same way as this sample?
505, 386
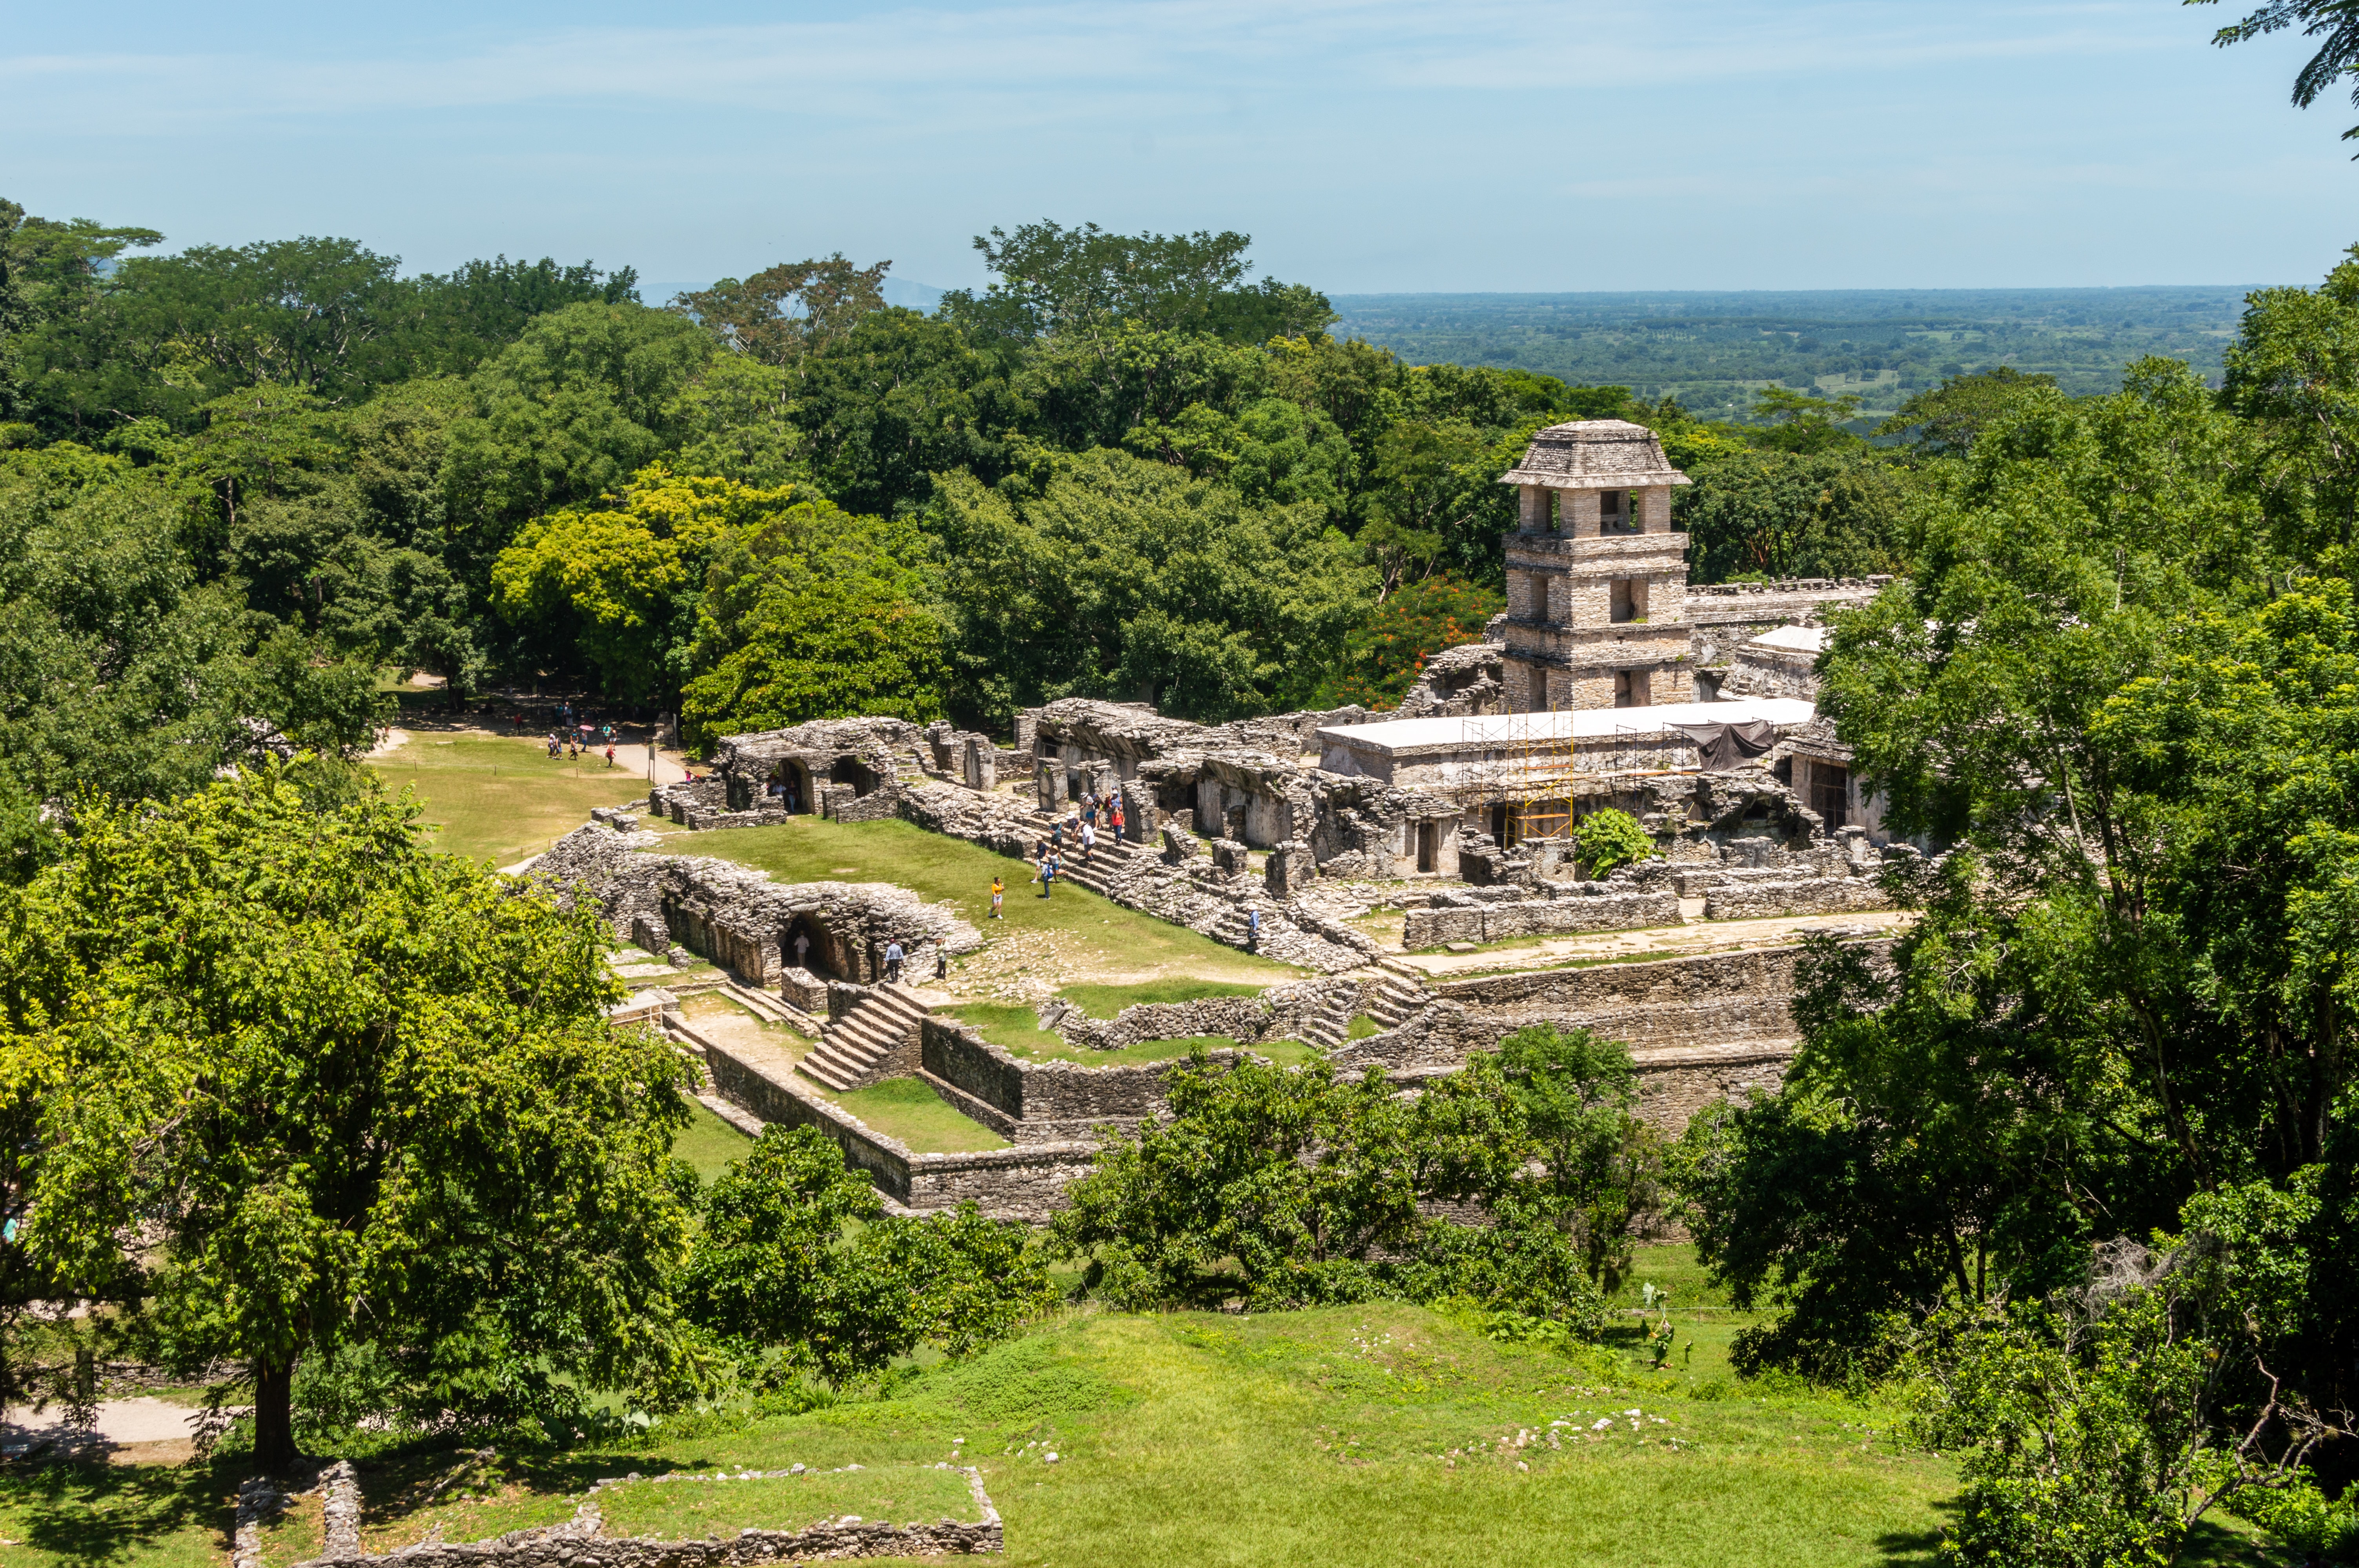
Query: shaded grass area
709, 1143
1375, 1435
494, 798
905, 1108
812, 848
1017, 1031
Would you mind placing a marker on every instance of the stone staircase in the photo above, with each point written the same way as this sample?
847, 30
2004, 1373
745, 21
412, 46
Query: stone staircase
1098, 874
851, 1050
1393, 1002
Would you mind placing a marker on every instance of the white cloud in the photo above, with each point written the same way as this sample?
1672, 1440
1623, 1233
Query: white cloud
932, 64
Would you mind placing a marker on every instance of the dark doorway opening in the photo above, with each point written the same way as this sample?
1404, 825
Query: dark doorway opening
849, 770
1830, 794
1426, 832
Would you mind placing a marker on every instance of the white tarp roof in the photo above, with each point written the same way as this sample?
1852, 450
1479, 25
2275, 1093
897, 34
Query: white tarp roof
1579, 723
1805, 639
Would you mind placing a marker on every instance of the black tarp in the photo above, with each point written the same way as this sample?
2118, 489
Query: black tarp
1722, 746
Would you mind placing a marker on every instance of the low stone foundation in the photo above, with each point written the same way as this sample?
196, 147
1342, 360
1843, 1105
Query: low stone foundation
1025, 1182
1538, 917
575, 1543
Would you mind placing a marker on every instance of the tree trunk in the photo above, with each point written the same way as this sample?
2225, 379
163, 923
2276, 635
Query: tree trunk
274, 1416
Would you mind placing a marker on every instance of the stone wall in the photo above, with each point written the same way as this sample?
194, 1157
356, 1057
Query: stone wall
1432, 928
1025, 1182
575, 1543
1039, 1102
739, 918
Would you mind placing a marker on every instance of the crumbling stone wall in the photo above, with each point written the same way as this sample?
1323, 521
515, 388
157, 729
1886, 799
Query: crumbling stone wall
739, 918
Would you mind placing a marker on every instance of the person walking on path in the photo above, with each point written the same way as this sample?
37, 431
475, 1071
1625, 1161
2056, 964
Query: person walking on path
1090, 807
1253, 929
893, 956
609, 753
998, 894
802, 949
1048, 877
1089, 844
1056, 838
1114, 816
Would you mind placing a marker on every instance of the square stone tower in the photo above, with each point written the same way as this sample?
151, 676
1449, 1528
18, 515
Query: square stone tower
1597, 583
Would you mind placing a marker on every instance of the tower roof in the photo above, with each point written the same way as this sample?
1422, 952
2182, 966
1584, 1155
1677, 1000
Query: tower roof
1594, 454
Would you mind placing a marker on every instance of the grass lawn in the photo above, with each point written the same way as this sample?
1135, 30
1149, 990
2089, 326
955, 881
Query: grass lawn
1018, 1032
1380, 1434
905, 1108
1107, 1001
1105, 939
709, 1143
496, 798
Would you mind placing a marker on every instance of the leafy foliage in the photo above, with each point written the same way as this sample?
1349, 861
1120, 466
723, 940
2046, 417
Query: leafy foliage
795, 1269
349, 1091
1385, 656
1296, 1186
1606, 842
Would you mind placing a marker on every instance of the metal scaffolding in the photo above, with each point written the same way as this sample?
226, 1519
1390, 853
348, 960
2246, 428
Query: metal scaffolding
1528, 767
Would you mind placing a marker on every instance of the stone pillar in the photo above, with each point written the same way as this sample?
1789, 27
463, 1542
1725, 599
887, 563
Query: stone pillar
1288, 869
1578, 508
942, 739
1655, 504
980, 760
1533, 518
1027, 726
1048, 782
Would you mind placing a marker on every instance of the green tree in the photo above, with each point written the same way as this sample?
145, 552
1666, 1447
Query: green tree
1051, 278
1799, 422
1296, 1186
2099, 1425
341, 1090
617, 589
1579, 1096
1777, 514
2293, 373
785, 312
585, 398
796, 1270
813, 613
1109, 576
1946, 420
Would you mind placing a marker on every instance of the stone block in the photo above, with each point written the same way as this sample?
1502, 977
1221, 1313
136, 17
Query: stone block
1179, 846
1288, 868
1229, 854
1432, 927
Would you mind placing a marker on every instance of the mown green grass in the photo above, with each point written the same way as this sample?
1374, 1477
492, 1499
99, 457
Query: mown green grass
811, 848
907, 1111
709, 1143
1378, 1434
1107, 1001
1017, 1031
494, 798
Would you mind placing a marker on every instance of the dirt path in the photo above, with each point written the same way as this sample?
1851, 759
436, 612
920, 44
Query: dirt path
1660, 941
121, 1422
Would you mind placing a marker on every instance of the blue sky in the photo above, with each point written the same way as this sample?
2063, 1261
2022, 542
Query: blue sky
1366, 145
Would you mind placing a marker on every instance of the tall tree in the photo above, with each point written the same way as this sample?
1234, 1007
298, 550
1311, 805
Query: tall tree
785, 312
340, 1089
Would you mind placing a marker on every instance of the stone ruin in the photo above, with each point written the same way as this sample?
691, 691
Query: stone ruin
1607, 682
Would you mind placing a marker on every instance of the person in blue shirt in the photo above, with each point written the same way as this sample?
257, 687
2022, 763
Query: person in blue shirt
1253, 929
893, 956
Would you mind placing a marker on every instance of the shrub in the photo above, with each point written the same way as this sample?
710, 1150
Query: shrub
1606, 842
